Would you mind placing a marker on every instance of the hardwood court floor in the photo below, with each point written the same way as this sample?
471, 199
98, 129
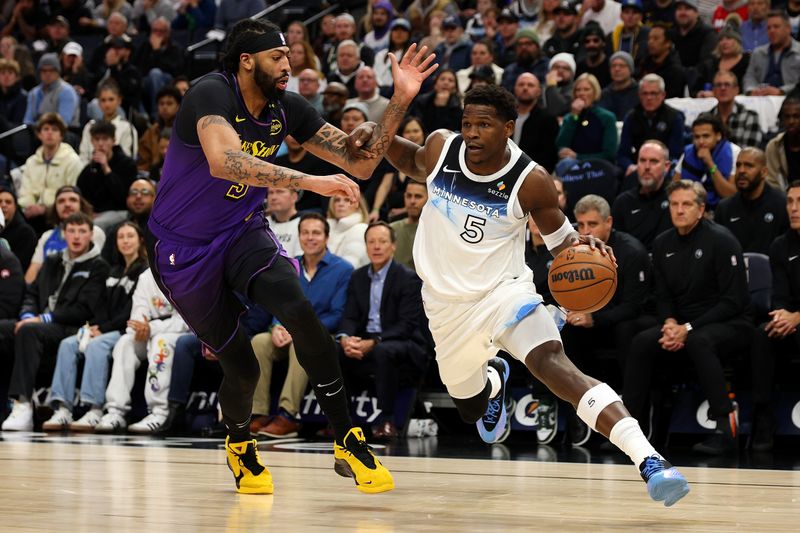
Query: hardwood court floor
80, 487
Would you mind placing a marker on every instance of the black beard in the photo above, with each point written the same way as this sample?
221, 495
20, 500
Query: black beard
752, 186
267, 84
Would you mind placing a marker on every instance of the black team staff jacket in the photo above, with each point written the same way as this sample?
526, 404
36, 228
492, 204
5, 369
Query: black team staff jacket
756, 224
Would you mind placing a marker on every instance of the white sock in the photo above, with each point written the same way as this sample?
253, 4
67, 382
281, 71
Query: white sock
628, 437
495, 380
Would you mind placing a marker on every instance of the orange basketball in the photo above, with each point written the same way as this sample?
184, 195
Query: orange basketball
581, 279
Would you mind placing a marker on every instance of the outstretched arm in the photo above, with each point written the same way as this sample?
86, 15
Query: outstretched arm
227, 161
413, 160
330, 143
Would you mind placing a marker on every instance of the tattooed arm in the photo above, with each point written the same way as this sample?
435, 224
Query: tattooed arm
226, 160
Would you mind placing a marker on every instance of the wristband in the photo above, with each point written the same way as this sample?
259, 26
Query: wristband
712, 170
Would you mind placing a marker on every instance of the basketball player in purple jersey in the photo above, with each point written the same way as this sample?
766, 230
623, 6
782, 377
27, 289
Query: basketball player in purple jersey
208, 237
478, 292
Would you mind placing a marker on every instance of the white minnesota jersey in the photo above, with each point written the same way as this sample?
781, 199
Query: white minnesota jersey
471, 234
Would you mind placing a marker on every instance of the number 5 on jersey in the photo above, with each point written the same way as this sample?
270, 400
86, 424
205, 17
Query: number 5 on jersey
473, 229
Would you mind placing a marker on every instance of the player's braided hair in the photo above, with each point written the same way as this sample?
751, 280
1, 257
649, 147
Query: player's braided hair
238, 34
493, 96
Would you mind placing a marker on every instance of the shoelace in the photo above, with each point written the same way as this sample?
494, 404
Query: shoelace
493, 411
652, 465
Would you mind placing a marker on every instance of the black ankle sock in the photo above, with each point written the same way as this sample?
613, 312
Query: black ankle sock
237, 433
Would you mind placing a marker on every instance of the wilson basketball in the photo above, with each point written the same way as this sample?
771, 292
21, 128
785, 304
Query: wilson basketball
581, 279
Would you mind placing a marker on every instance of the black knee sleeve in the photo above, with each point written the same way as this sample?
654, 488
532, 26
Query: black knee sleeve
472, 409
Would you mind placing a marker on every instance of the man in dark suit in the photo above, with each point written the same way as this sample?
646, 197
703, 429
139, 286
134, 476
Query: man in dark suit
535, 130
380, 334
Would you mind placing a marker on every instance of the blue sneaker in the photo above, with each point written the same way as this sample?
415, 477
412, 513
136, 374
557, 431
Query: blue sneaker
493, 426
664, 482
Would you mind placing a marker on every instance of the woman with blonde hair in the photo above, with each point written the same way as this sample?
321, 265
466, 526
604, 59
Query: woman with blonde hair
728, 55
348, 222
588, 131
301, 57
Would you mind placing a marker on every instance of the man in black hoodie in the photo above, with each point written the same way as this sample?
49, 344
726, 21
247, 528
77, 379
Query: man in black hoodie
19, 235
55, 306
662, 60
694, 40
107, 178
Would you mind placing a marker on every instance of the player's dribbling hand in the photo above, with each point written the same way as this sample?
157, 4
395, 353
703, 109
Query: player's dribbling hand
334, 185
409, 73
593, 243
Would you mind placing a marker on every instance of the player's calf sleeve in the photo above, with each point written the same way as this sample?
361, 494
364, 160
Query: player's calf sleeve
241, 373
625, 434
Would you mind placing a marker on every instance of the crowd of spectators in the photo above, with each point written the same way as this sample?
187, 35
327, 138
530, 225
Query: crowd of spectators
89, 93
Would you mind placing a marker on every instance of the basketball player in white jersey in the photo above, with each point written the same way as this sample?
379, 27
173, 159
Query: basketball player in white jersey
478, 292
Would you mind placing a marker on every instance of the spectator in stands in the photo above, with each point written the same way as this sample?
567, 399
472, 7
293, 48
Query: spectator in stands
783, 151
139, 203
367, 94
297, 32
52, 95
441, 107
118, 66
334, 98
652, 118
659, 12
399, 41
308, 86
380, 334
702, 301
159, 59
455, 51
535, 130
595, 60
347, 65
298, 158
414, 197
107, 177
55, 306
19, 235
741, 124
12, 284
53, 165
643, 211
126, 137
284, 219
709, 160
301, 57
53, 241
324, 278
325, 40
73, 71
56, 35
727, 8
348, 221
181, 83
694, 39
630, 35
103, 10
622, 94
419, 12
229, 12
117, 28
793, 10
567, 38
169, 100
26, 21
604, 13
614, 325
77, 14
378, 36
110, 313
13, 101
588, 131
505, 41
528, 58
482, 55
774, 68
475, 28
10, 49
346, 31
389, 201
754, 29
779, 336
559, 83
756, 214
152, 330
539, 16
662, 60
727, 56
146, 12
193, 14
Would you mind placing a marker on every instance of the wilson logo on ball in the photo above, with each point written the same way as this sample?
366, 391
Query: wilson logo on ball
571, 276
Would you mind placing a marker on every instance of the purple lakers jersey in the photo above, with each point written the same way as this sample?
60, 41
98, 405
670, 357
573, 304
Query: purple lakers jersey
191, 204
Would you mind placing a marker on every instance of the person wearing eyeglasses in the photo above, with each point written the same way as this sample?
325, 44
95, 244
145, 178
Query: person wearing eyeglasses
139, 203
741, 123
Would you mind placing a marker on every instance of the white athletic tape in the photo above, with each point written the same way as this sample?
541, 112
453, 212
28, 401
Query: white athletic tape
594, 401
554, 240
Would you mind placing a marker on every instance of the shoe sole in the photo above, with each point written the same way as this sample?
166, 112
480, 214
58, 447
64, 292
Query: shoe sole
668, 490
342, 467
269, 489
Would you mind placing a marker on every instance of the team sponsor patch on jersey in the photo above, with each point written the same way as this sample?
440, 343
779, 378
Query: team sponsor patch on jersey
734, 262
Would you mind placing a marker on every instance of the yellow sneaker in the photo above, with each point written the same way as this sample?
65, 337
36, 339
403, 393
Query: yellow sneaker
356, 460
251, 476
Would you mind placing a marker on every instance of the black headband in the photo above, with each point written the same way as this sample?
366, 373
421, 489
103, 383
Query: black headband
258, 42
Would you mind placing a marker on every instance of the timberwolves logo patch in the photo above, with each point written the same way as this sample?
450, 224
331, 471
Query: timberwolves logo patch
276, 127
698, 253
769, 217
665, 204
